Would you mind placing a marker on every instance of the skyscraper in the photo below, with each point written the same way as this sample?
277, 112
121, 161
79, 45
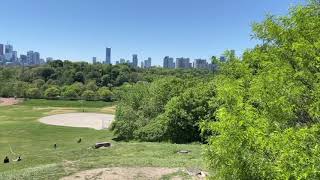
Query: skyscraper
8, 48
23, 59
1, 49
147, 63
8, 52
30, 57
200, 64
108, 56
135, 60
49, 59
183, 63
168, 62
122, 61
14, 56
94, 60
36, 58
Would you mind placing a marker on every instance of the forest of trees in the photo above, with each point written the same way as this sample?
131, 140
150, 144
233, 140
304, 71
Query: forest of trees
79, 80
259, 114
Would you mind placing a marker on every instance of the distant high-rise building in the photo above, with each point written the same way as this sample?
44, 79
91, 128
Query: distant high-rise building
108, 56
1, 50
36, 58
33, 58
183, 63
147, 63
222, 58
94, 60
8, 48
49, 59
212, 67
8, 52
23, 59
30, 57
200, 64
122, 61
135, 60
168, 62
142, 64
14, 56
42, 61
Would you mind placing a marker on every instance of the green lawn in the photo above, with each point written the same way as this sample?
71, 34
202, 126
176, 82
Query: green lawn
21, 133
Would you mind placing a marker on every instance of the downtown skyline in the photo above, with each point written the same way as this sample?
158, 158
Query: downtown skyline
157, 29
10, 57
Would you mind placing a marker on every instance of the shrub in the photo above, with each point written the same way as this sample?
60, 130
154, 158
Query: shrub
105, 94
52, 92
33, 93
70, 93
88, 95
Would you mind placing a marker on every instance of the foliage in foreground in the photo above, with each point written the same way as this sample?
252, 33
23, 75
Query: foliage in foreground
267, 124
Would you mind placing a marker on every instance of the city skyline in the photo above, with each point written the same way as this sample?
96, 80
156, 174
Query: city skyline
174, 28
10, 57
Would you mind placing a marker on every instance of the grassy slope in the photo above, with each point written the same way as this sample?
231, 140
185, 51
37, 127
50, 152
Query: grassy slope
20, 129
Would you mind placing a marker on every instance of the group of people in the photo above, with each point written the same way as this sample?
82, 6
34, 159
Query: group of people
7, 160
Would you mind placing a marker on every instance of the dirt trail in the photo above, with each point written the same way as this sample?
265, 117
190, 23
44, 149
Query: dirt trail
120, 173
9, 101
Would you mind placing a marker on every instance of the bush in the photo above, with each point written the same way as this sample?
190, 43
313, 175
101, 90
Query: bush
185, 112
89, 95
33, 93
71, 92
267, 121
155, 131
141, 110
52, 92
105, 94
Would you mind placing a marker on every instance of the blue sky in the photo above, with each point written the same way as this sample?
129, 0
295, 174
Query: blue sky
80, 29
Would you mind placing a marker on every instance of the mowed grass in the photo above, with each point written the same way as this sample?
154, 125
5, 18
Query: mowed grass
22, 134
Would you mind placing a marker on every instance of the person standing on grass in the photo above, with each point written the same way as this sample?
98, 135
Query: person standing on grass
6, 160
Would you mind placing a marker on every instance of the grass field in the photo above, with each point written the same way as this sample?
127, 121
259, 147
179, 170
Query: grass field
22, 134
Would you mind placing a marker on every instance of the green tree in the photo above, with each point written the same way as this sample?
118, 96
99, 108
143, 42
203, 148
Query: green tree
79, 77
33, 92
105, 94
52, 92
266, 124
70, 92
91, 85
106, 80
89, 95
184, 113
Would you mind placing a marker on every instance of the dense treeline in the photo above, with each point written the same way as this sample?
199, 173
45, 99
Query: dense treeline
168, 109
259, 115
70, 80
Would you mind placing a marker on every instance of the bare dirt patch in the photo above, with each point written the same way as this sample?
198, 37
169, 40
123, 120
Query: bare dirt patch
109, 110
9, 101
118, 173
89, 120
60, 111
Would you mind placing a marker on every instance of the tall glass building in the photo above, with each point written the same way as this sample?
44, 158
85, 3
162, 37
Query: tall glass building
108, 56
